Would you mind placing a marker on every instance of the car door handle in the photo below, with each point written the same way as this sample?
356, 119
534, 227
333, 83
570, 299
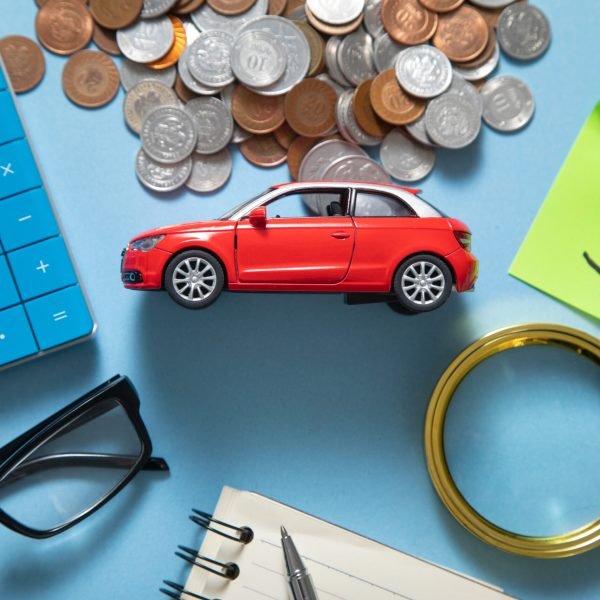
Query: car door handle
340, 235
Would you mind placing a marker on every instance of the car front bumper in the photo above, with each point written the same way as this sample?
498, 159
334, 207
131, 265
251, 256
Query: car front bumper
143, 270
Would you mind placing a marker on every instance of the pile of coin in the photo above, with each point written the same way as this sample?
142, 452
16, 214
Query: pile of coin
311, 82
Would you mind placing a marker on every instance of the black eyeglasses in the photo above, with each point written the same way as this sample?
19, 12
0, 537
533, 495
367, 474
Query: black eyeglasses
67, 467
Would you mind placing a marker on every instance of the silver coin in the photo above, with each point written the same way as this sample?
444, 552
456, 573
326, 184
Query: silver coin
452, 121
160, 177
331, 50
192, 33
424, 71
385, 52
418, 131
480, 72
523, 31
209, 59
209, 173
373, 19
143, 98
355, 57
467, 90
298, 14
404, 159
347, 124
336, 12
156, 8
357, 168
168, 135
239, 134
258, 59
492, 3
189, 81
213, 123
146, 40
207, 19
132, 73
317, 160
296, 48
339, 90
508, 104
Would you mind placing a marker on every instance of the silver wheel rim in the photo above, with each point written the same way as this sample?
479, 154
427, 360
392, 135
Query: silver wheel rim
194, 279
423, 283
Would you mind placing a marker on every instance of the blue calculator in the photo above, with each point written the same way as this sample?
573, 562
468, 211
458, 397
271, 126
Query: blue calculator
42, 305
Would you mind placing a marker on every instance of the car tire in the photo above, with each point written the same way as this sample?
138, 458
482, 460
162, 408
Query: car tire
194, 279
422, 283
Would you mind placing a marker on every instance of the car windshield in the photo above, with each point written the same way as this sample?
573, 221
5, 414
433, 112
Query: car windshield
227, 216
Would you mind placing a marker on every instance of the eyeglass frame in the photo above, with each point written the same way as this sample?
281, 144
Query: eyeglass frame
120, 389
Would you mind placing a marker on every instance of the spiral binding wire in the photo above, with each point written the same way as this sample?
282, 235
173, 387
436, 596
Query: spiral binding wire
180, 591
244, 534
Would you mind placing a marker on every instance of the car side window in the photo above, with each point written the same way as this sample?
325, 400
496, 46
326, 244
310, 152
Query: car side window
326, 203
373, 204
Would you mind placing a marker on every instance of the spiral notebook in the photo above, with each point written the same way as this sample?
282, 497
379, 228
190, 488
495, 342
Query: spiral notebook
343, 564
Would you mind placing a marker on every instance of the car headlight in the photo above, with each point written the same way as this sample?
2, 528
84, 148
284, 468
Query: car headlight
147, 243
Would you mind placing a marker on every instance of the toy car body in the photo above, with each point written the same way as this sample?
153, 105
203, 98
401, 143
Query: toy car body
313, 237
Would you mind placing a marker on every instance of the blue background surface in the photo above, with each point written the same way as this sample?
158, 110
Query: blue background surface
302, 398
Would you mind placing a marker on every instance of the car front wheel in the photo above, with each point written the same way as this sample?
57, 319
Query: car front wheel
194, 279
422, 283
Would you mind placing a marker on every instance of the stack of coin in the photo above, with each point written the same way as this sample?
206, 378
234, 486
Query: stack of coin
311, 82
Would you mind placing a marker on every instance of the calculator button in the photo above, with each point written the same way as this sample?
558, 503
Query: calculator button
18, 171
16, 339
60, 317
8, 290
25, 219
10, 124
42, 268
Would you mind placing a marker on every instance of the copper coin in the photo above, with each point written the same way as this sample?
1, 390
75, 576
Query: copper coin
90, 79
254, 113
263, 151
285, 135
277, 7
485, 55
408, 21
317, 48
106, 39
365, 115
184, 93
24, 61
310, 108
41, 3
292, 6
441, 6
186, 8
392, 103
298, 149
231, 7
328, 29
116, 14
64, 26
177, 48
462, 35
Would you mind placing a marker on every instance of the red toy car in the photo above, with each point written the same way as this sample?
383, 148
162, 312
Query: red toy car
313, 237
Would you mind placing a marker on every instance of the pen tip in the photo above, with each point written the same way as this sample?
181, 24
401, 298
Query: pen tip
284, 532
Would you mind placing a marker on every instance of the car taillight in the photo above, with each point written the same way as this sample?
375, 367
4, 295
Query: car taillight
464, 239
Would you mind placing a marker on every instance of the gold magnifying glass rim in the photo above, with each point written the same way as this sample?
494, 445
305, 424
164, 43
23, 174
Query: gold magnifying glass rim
567, 544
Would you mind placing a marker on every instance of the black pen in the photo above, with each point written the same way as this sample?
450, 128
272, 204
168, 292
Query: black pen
301, 584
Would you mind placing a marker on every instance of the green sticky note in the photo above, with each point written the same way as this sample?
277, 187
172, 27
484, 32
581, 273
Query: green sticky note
561, 253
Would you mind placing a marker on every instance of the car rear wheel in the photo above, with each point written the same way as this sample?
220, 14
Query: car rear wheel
422, 283
194, 279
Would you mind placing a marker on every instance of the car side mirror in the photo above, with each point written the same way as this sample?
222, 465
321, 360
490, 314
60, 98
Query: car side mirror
258, 217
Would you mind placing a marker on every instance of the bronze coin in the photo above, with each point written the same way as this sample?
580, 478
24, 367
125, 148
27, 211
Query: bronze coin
277, 7
328, 29
187, 7
64, 26
485, 55
441, 6
364, 113
177, 48
41, 3
263, 151
116, 14
24, 61
408, 21
462, 35
285, 135
392, 103
298, 149
184, 93
254, 113
106, 40
90, 79
231, 7
310, 108
293, 5
317, 48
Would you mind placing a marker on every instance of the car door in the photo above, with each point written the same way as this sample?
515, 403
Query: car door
295, 246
